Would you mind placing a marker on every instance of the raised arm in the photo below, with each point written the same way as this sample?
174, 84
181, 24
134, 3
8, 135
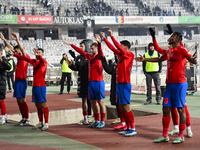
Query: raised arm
14, 37
20, 57
157, 47
80, 51
110, 46
98, 39
6, 42
141, 59
123, 51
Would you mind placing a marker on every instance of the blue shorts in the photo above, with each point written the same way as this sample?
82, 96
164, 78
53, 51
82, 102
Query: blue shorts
39, 94
123, 94
96, 90
20, 88
83, 95
175, 95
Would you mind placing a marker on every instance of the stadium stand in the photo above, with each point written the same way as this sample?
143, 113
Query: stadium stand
105, 8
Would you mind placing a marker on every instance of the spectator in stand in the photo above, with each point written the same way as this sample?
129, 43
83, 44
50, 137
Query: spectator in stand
76, 10
179, 13
49, 5
67, 12
174, 13
122, 12
52, 11
127, 13
197, 12
32, 11
5, 9
192, 9
58, 11
172, 3
161, 12
117, 12
170, 13
11, 10
38, 1
23, 11
140, 12
83, 8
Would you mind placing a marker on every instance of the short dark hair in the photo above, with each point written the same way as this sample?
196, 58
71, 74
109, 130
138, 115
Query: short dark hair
1, 50
126, 43
82, 42
94, 44
179, 35
17, 46
41, 50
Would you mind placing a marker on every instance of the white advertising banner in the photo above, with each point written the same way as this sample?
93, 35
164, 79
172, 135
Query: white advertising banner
136, 20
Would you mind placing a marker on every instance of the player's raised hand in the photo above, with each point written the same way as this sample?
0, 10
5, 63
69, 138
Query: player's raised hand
110, 32
102, 34
72, 53
14, 37
152, 32
2, 36
195, 55
69, 62
35, 51
67, 43
11, 51
170, 31
97, 38
140, 59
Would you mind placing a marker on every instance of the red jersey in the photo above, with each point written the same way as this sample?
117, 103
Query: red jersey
125, 61
176, 60
21, 68
39, 69
95, 65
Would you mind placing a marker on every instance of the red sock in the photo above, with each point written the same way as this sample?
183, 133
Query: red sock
85, 113
26, 110
46, 114
103, 116
166, 122
187, 116
174, 113
126, 119
21, 109
40, 114
130, 118
181, 130
96, 117
3, 107
121, 115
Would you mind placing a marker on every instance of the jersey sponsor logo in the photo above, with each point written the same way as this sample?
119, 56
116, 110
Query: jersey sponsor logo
165, 100
93, 62
173, 60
